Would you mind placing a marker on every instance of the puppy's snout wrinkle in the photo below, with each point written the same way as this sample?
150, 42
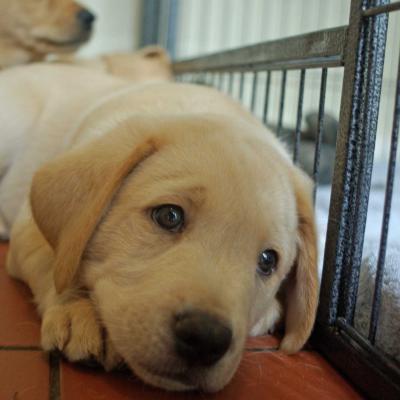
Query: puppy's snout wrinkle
85, 18
201, 339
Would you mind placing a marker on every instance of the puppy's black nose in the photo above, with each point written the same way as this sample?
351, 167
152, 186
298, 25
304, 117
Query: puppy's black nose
201, 338
85, 18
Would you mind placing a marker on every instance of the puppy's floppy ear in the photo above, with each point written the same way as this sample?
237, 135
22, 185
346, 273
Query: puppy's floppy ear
70, 194
302, 288
154, 51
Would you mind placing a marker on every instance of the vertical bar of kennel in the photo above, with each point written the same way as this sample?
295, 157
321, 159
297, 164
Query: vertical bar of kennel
374, 54
299, 117
254, 91
281, 103
266, 100
362, 81
386, 213
320, 129
230, 83
241, 86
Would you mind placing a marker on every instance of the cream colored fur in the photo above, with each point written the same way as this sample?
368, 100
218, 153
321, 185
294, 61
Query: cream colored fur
32, 29
84, 159
151, 63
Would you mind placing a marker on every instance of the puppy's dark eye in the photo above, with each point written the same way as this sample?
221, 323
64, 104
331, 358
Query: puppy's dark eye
267, 262
169, 217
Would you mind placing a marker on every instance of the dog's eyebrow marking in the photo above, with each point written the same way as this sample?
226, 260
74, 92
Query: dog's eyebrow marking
193, 195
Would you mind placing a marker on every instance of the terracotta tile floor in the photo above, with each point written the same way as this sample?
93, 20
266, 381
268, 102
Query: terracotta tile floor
29, 374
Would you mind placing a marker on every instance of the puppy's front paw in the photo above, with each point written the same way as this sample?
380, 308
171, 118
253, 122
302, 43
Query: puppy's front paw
73, 329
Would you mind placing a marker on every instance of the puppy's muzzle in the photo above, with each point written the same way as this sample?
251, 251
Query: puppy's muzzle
85, 19
201, 339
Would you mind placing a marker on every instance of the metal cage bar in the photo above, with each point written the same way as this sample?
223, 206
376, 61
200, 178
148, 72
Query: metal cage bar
299, 117
334, 334
351, 176
266, 100
386, 213
382, 8
241, 85
281, 103
371, 52
312, 50
254, 91
320, 129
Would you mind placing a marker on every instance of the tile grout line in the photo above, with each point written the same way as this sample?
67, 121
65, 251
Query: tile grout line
20, 348
262, 349
54, 377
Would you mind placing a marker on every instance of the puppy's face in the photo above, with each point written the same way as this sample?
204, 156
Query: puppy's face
192, 249
50, 26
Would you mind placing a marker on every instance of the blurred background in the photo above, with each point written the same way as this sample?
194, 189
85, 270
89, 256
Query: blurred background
211, 25
202, 26
188, 28
117, 26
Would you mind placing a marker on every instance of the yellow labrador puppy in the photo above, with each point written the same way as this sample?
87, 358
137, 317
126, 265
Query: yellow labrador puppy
31, 29
160, 225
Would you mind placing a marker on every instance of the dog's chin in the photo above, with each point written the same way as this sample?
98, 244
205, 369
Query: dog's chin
178, 381
172, 381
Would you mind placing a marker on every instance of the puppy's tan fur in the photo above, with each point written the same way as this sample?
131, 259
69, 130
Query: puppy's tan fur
151, 63
106, 153
32, 29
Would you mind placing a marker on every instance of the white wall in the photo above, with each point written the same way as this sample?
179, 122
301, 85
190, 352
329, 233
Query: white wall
210, 25
117, 26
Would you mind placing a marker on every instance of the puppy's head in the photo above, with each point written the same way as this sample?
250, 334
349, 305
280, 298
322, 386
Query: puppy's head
183, 230
49, 26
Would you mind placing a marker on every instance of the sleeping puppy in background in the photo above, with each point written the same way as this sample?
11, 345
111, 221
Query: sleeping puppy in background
157, 225
150, 63
32, 29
